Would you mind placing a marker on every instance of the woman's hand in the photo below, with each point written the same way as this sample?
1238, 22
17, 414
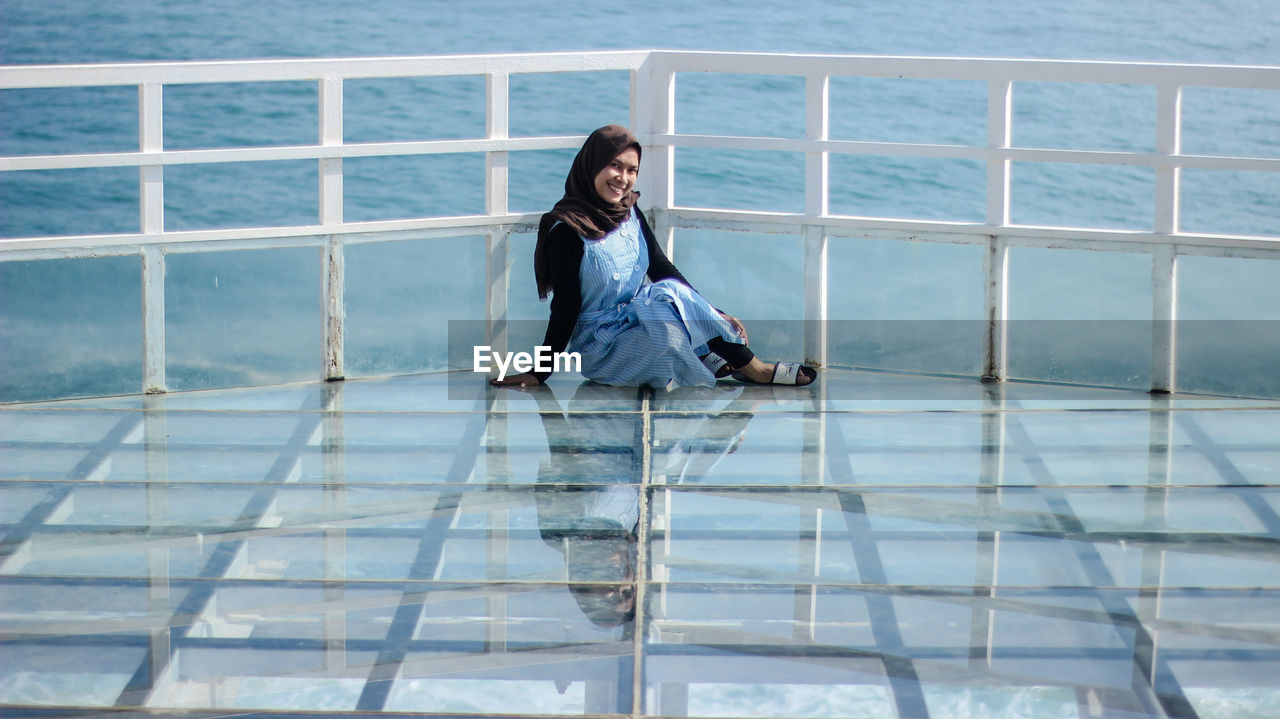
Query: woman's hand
736, 324
516, 381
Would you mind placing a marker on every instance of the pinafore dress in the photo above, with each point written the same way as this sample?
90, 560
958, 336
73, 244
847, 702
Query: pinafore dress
633, 332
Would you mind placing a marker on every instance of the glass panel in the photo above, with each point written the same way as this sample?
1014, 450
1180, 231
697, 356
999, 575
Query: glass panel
397, 320
241, 194
906, 305
908, 187
568, 103
394, 188
341, 552
739, 105
72, 327
728, 269
1065, 305
242, 114
243, 318
764, 181
1070, 195
1229, 325
92, 201
396, 109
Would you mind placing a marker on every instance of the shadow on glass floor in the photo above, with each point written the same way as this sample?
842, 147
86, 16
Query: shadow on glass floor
880, 546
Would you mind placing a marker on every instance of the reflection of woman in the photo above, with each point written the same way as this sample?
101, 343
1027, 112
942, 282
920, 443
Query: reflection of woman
594, 252
588, 492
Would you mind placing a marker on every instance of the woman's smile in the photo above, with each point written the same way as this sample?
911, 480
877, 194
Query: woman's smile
618, 177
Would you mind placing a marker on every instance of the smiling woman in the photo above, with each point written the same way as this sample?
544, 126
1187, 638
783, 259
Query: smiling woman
617, 301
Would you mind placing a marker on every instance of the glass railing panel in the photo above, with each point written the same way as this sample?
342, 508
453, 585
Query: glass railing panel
72, 328
905, 305
243, 317
400, 297
1080, 317
754, 277
1228, 332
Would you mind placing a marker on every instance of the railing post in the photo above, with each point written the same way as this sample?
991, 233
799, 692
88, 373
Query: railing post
151, 212
1164, 319
995, 268
999, 137
153, 352
1164, 260
816, 190
653, 114
497, 127
1169, 144
335, 312
331, 213
331, 135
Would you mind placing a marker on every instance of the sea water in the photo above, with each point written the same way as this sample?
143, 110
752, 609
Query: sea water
72, 327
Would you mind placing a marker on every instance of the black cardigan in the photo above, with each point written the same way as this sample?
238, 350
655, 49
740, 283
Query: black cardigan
564, 260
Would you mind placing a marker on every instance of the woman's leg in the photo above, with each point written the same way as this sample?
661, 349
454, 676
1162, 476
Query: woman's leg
736, 355
741, 358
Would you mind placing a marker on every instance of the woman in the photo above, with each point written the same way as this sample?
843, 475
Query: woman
593, 253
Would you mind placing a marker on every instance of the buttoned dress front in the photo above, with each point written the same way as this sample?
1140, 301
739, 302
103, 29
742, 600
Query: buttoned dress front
634, 332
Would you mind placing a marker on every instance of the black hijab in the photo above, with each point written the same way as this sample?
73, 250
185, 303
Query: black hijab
582, 208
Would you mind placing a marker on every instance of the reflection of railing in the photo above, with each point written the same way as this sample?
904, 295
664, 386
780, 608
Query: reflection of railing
652, 114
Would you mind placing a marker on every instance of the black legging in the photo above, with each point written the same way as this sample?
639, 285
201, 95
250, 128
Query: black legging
738, 356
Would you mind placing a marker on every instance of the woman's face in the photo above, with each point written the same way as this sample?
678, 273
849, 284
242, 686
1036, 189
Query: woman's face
618, 177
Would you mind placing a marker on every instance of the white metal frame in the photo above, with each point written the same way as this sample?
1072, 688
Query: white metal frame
652, 116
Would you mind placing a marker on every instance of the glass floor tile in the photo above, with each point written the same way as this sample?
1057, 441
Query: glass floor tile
878, 545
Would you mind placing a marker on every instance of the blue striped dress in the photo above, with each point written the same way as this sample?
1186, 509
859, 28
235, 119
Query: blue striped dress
634, 332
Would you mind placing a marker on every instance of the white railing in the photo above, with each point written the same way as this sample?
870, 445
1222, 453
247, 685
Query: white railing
652, 115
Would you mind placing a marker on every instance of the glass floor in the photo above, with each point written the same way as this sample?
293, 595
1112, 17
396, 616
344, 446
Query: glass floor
878, 545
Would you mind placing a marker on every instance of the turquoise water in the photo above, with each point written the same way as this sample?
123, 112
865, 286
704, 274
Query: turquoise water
72, 328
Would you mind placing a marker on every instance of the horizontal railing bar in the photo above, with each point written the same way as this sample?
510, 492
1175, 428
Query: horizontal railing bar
24, 248
725, 142
979, 69
290, 152
680, 217
235, 71
885, 66
977, 233
970, 152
